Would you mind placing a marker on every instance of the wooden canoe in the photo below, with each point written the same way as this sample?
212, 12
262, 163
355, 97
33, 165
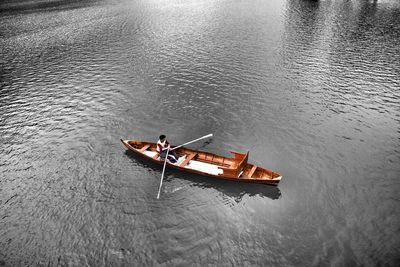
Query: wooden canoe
208, 164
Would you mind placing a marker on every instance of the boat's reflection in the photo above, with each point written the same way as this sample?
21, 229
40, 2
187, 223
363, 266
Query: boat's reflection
234, 190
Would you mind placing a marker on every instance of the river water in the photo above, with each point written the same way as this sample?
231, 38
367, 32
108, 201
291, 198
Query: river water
310, 88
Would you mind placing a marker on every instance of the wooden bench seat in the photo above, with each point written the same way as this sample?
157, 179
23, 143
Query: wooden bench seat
189, 158
252, 171
144, 148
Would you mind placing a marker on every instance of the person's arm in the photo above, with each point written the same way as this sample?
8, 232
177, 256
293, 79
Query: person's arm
160, 148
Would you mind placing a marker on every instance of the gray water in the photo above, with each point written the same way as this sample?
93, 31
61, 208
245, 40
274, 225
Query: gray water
310, 88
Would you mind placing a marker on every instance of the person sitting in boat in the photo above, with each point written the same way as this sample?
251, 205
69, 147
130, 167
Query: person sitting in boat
162, 147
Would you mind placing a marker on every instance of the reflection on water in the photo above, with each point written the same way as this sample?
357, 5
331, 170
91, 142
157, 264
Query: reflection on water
238, 191
310, 88
28, 6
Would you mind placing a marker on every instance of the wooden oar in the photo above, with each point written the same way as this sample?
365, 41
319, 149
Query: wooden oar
166, 156
162, 175
206, 136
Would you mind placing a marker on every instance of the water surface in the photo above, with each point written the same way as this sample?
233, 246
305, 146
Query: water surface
310, 88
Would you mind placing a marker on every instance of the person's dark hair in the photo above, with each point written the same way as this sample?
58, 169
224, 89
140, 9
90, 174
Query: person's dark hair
162, 137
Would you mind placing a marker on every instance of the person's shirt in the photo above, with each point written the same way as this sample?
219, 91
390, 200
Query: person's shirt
161, 146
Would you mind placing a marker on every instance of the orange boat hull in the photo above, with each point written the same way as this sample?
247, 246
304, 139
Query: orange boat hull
208, 164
